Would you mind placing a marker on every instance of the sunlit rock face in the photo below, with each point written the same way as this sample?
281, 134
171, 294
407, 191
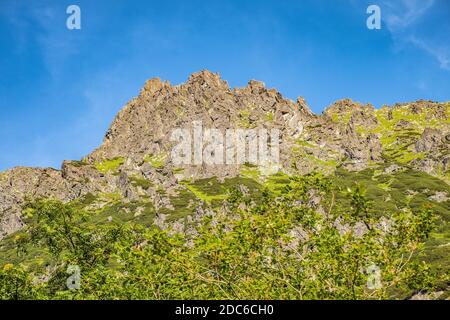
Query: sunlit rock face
135, 159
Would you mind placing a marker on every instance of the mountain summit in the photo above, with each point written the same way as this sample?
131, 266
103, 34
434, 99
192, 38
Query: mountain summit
134, 160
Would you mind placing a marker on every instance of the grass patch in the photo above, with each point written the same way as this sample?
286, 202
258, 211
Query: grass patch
110, 165
156, 160
137, 181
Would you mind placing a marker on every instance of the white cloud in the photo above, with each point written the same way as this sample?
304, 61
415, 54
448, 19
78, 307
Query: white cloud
40, 22
403, 19
441, 54
404, 13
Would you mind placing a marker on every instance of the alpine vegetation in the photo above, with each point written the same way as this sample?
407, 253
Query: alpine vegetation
202, 191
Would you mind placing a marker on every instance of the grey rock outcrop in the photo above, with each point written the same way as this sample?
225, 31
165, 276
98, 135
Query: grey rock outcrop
347, 133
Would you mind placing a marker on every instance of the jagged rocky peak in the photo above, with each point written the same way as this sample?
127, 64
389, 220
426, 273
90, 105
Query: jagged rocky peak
207, 79
256, 86
416, 106
137, 144
154, 85
304, 108
144, 125
347, 105
25, 179
430, 109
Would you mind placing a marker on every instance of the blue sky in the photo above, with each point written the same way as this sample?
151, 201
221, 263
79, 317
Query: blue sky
60, 89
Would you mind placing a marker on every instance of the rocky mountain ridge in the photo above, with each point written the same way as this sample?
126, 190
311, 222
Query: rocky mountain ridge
134, 158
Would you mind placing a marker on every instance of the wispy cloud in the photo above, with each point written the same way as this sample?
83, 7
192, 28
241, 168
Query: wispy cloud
41, 23
441, 54
404, 20
404, 13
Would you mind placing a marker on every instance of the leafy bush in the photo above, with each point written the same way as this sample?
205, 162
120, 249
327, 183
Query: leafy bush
282, 247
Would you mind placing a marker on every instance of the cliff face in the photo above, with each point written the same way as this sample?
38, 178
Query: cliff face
134, 160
